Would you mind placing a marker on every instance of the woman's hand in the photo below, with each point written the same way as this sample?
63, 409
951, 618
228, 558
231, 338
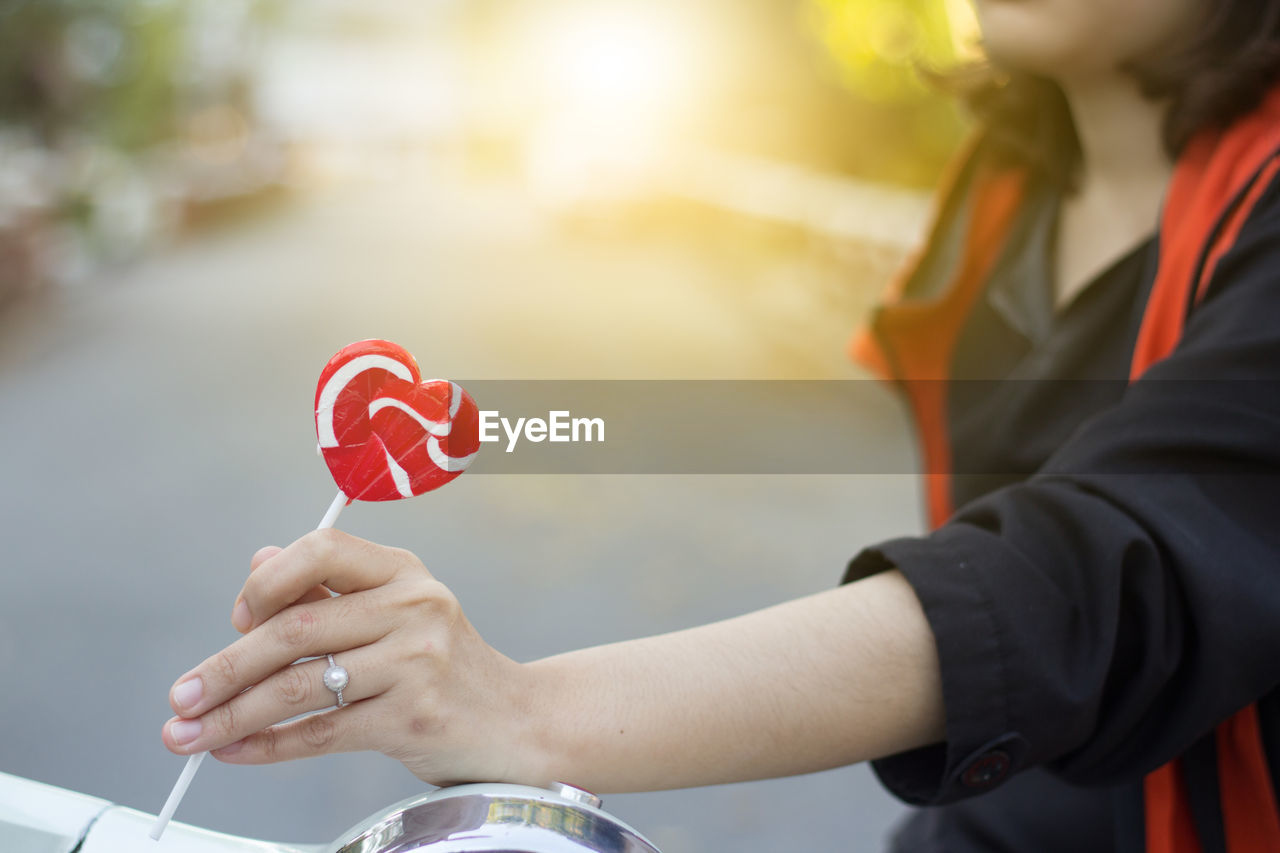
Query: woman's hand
424, 687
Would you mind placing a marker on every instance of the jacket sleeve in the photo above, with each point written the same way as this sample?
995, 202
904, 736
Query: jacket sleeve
1101, 616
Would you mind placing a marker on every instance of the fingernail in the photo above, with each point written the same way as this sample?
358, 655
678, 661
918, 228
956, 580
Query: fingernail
187, 694
184, 731
240, 616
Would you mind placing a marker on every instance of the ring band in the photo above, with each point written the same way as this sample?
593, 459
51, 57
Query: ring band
336, 678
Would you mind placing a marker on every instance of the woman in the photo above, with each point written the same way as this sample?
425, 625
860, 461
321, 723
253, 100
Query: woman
1088, 639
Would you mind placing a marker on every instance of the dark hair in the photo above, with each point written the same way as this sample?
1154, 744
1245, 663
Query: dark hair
1221, 73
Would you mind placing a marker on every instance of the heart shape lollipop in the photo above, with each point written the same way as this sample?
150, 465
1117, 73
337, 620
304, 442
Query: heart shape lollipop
384, 433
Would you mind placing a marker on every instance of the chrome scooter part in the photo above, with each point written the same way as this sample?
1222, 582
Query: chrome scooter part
495, 818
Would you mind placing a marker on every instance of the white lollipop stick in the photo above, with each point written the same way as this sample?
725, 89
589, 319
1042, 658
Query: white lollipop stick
193, 763
176, 795
331, 515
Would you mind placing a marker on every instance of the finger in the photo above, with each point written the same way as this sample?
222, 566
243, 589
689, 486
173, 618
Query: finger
306, 630
296, 689
329, 558
241, 618
262, 555
346, 729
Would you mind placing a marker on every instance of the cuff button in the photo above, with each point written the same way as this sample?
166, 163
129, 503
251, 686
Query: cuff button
987, 770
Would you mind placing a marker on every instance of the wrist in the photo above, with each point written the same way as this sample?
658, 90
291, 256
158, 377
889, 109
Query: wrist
535, 748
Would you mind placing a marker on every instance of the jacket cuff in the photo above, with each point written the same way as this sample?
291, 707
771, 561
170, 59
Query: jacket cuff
983, 747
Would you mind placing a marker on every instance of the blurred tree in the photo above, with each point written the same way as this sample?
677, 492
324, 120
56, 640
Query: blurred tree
880, 48
102, 68
109, 110
879, 44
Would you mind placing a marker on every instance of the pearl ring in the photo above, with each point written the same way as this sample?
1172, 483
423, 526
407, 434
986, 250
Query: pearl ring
336, 678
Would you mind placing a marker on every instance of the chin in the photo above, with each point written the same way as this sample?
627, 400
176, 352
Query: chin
1062, 38
1039, 36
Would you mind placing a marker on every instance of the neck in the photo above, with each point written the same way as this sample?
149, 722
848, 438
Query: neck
1123, 177
1120, 134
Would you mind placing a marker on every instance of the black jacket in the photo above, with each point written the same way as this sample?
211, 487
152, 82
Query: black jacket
1104, 579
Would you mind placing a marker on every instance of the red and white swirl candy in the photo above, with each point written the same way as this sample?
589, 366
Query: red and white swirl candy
384, 433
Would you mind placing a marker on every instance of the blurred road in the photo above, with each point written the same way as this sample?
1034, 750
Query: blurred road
157, 430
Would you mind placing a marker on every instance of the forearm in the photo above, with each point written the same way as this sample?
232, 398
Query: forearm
835, 678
